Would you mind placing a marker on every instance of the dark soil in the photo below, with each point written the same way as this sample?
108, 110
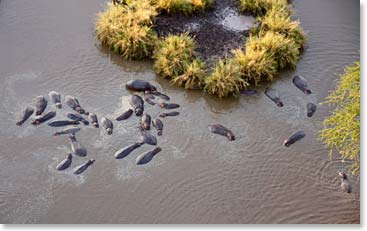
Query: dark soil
213, 40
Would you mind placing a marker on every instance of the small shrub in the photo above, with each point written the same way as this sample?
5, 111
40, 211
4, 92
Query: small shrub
183, 6
277, 22
255, 67
260, 7
225, 80
341, 130
193, 76
284, 50
126, 29
173, 54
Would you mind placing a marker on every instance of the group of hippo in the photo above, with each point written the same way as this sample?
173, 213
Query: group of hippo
137, 103
311, 106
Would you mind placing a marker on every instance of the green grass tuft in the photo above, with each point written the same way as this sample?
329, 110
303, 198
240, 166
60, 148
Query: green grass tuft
173, 54
193, 77
185, 7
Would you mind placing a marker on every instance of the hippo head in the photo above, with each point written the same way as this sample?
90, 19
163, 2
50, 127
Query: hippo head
95, 124
286, 143
69, 156
231, 136
342, 175
35, 122
280, 104
109, 131
138, 111
80, 110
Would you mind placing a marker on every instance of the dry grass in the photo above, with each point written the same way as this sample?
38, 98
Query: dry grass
260, 7
126, 29
183, 6
193, 77
173, 54
225, 80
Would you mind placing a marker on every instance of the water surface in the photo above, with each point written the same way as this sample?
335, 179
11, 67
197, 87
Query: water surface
198, 177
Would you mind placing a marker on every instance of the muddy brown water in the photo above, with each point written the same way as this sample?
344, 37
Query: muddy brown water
198, 177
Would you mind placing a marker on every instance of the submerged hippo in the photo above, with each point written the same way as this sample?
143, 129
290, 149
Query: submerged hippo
81, 168
76, 146
138, 104
249, 92
147, 156
77, 117
345, 185
146, 121
161, 95
172, 113
158, 124
24, 115
311, 109
41, 104
169, 105
64, 164
274, 96
61, 123
294, 138
93, 119
55, 97
44, 118
122, 153
66, 131
107, 124
73, 103
125, 115
221, 130
149, 99
146, 138
301, 83
140, 85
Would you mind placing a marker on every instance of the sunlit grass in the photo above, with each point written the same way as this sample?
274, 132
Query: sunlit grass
225, 80
193, 76
126, 29
341, 131
260, 7
173, 54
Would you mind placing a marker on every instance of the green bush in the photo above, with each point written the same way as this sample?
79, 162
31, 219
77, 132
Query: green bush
193, 76
341, 132
126, 29
225, 80
173, 54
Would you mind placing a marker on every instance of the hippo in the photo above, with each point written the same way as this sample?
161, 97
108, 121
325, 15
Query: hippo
140, 85
81, 168
65, 163
122, 153
77, 117
169, 105
147, 156
66, 131
24, 115
161, 95
149, 99
158, 124
301, 83
138, 104
55, 97
146, 121
311, 108
249, 92
61, 123
221, 130
146, 138
73, 103
274, 96
107, 124
41, 104
93, 119
345, 185
125, 115
294, 138
76, 147
172, 113
40, 119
